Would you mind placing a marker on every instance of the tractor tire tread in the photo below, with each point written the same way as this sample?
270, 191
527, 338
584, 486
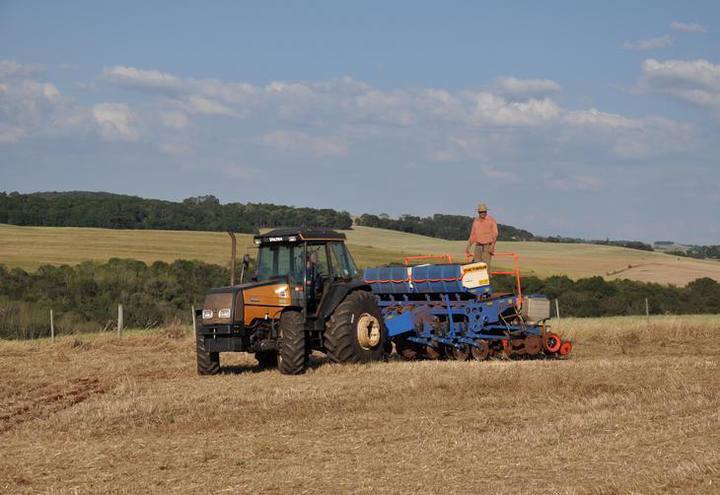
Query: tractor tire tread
208, 363
340, 335
292, 354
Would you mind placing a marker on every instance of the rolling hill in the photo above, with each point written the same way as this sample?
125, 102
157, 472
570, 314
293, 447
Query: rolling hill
30, 247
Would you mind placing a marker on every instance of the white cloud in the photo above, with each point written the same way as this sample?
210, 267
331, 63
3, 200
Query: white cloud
11, 69
688, 27
523, 87
304, 143
176, 120
700, 72
142, 79
116, 122
493, 172
34, 89
566, 183
27, 105
649, 44
596, 118
511, 119
10, 133
207, 106
490, 109
695, 81
239, 171
174, 149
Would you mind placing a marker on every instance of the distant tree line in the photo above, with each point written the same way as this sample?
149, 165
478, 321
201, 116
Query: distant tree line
699, 252
595, 296
84, 297
642, 246
457, 228
115, 211
451, 227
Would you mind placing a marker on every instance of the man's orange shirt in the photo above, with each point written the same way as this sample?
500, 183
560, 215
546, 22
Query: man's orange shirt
484, 231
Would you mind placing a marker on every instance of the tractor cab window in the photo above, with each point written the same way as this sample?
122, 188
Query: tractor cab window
342, 263
279, 261
317, 260
316, 273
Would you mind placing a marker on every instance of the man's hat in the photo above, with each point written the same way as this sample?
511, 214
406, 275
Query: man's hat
482, 207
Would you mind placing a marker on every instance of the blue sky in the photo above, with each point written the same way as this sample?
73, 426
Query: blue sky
597, 120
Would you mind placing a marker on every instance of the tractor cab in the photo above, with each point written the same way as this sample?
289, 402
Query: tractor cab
310, 260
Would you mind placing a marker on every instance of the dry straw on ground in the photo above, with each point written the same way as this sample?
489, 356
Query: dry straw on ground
637, 410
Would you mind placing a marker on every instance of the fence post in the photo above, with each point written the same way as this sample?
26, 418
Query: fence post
120, 320
52, 327
557, 309
193, 318
647, 310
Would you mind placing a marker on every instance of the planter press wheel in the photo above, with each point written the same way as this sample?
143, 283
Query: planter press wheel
461, 353
482, 351
551, 342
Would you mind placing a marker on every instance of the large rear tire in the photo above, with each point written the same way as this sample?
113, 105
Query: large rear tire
292, 355
355, 332
208, 363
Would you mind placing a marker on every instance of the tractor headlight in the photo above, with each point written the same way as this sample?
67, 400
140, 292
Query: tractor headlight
224, 313
207, 314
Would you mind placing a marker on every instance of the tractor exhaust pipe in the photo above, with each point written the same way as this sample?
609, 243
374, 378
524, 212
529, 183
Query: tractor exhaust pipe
245, 265
232, 257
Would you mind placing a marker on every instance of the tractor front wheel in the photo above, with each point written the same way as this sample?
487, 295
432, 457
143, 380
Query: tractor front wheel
291, 358
208, 363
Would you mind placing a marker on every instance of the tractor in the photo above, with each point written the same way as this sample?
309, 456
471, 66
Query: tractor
305, 296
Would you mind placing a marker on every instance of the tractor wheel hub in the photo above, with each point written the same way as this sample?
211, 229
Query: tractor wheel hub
368, 331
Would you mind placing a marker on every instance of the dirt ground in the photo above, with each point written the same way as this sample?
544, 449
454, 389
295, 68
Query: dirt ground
636, 410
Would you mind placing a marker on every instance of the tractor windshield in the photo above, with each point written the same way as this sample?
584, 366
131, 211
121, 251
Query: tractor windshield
280, 260
342, 263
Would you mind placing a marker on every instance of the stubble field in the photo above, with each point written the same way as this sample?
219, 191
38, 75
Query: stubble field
636, 410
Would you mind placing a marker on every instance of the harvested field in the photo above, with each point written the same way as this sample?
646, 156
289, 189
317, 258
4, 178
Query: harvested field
637, 410
30, 247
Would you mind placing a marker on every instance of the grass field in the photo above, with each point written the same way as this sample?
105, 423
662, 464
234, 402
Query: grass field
636, 410
30, 247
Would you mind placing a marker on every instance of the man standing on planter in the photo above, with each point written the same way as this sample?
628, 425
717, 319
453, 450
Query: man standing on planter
483, 235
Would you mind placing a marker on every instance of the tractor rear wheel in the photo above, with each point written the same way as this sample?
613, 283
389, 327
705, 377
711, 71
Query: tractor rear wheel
208, 363
355, 332
291, 358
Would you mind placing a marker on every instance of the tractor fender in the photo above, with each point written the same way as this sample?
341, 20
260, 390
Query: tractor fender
335, 295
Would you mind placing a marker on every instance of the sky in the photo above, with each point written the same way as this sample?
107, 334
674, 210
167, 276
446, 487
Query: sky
583, 119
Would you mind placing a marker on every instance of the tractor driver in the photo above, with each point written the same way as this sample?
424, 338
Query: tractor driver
483, 235
314, 276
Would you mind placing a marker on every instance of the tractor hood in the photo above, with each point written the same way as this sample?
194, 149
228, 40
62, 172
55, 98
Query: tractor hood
241, 304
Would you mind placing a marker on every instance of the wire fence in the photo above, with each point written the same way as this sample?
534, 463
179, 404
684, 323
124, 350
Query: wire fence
26, 321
